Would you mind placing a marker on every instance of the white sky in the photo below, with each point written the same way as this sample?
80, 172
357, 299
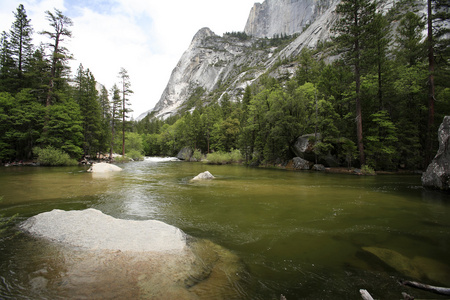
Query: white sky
146, 37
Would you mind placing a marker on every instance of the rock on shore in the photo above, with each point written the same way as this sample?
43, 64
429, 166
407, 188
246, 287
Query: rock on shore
437, 174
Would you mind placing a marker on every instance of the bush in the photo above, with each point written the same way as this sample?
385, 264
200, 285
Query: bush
135, 155
50, 156
367, 170
222, 158
197, 156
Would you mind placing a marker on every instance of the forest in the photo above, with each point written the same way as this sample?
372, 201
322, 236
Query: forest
378, 102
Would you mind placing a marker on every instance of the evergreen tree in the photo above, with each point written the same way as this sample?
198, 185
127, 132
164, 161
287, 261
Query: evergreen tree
59, 54
115, 115
353, 30
7, 65
126, 91
21, 41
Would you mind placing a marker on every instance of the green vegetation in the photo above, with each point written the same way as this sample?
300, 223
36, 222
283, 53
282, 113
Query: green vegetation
50, 156
41, 112
369, 107
222, 158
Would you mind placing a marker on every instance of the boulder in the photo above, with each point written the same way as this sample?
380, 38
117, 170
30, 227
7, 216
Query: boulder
185, 153
304, 146
203, 176
91, 229
300, 164
104, 168
318, 167
437, 174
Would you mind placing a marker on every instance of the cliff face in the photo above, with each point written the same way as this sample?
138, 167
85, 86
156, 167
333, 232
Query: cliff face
283, 16
227, 64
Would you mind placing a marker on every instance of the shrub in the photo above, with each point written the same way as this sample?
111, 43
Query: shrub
135, 155
197, 155
221, 158
367, 170
50, 156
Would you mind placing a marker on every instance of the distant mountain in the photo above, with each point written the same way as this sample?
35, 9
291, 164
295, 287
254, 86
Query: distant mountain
227, 64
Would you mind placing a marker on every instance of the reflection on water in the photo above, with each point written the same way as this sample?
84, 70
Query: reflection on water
301, 234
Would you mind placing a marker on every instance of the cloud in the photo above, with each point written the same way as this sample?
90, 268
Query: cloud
147, 38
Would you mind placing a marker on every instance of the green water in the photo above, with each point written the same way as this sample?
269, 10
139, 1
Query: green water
305, 235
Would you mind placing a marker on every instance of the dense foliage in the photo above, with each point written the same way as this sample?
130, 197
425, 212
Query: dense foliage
368, 97
47, 114
369, 106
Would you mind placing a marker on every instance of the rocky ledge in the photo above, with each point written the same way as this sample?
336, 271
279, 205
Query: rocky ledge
437, 174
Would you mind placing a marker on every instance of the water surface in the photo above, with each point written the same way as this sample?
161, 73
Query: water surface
305, 235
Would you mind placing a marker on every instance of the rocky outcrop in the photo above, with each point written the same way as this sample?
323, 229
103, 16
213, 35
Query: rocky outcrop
232, 63
104, 168
304, 146
437, 174
283, 17
204, 176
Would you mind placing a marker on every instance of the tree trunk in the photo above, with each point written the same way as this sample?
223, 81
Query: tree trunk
430, 87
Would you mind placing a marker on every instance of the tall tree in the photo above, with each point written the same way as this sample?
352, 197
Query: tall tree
6, 64
126, 91
353, 29
21, 39
60, 55
115, 107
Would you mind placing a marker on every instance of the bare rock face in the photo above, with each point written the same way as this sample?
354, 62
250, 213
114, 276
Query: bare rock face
300, 164
437, 174
104, 168
279, 17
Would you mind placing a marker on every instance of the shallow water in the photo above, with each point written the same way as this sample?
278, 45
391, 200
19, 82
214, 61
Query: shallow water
305, 235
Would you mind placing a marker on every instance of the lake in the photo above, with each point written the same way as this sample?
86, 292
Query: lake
306, 235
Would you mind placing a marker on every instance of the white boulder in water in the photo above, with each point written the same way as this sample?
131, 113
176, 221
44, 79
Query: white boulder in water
104, 168
203, 176
92, 229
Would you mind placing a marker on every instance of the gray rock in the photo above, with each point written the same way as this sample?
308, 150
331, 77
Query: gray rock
185, 153
318, 167
104, 168
91, 229
304, 146
437, 174
300, 164
204, 176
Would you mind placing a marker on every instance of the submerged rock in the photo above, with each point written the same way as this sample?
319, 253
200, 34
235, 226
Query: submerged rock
104, 168
420, 268
203, 176
111, 258
437, 174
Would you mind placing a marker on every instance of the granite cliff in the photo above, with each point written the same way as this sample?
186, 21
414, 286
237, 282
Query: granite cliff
227, 64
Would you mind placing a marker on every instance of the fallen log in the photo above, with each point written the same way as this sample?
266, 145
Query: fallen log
434, 289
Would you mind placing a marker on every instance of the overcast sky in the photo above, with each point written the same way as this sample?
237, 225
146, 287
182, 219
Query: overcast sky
146, 37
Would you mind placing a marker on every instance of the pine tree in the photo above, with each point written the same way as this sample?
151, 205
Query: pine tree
6, 64
115, 115
353, 29
21, 41
60, 54
126, 91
